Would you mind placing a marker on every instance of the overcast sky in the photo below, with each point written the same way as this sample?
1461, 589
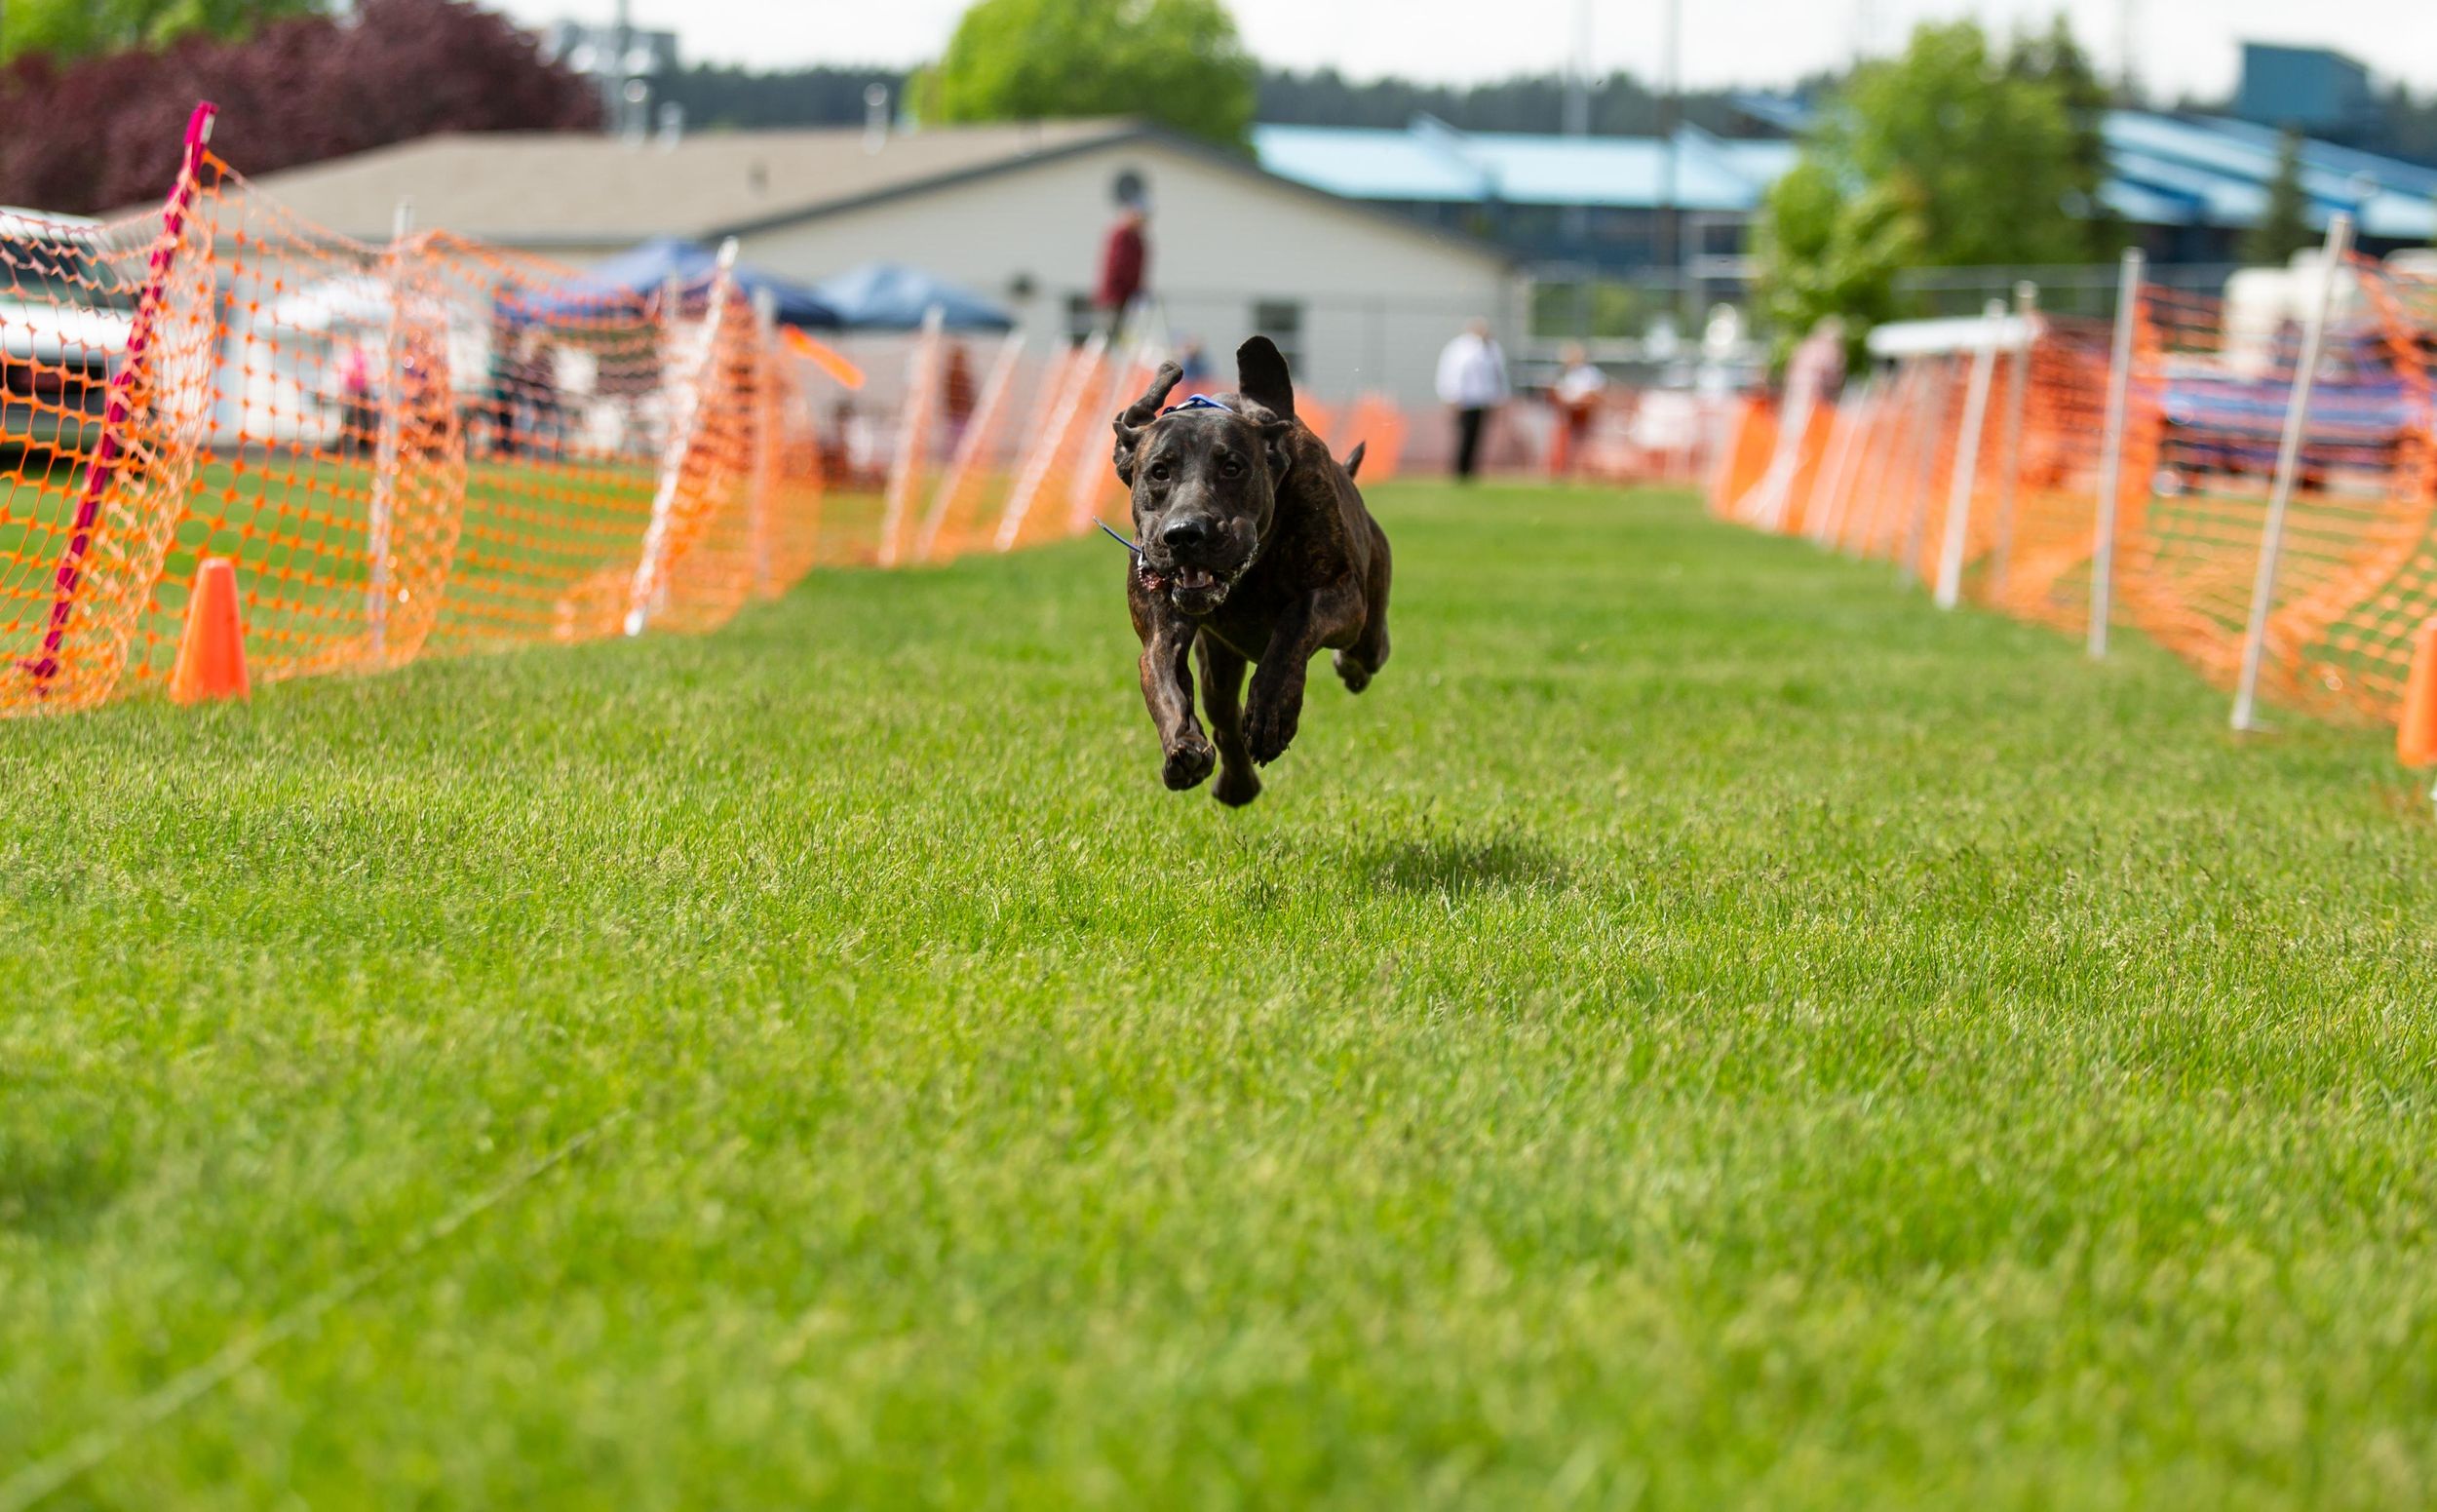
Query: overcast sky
2181, 44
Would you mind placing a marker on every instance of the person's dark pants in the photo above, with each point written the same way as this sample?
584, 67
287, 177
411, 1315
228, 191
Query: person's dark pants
1468, 424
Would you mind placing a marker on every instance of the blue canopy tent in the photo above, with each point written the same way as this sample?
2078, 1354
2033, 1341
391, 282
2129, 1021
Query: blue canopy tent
634, 277
891, 296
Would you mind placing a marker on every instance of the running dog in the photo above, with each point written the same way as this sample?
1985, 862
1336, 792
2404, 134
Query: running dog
1255, 549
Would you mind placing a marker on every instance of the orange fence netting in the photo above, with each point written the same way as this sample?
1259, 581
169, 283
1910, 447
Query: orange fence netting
2207, 397
435, 446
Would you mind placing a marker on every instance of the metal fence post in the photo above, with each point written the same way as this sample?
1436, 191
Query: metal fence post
2112, 458
2288, 463
1967, 458
765, 434
69, 580
2018, 381
380, 522
650, 581
1933, 408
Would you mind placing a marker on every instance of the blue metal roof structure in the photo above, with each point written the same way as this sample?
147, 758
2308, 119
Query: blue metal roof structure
1435, 162
2164, 171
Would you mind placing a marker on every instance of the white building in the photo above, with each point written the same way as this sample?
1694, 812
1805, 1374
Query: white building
1358, 296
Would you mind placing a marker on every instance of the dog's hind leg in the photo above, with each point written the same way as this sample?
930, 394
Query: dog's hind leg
1357, 663
1222, 700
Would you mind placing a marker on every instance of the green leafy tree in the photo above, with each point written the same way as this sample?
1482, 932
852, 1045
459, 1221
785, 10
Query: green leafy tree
1984, 159
1827, 247
2284, 224
69, 29
2055, 58
1940, 158
1176, 61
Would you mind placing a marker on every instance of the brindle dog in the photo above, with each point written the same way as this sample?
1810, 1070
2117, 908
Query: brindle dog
1255, 548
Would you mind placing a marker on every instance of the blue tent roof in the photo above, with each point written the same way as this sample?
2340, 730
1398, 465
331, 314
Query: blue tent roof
644, 269
891, 296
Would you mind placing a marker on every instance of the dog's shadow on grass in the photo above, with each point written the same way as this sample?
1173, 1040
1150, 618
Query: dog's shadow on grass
1450, 866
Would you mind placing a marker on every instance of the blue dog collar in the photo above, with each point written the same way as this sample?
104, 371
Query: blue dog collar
1198, 401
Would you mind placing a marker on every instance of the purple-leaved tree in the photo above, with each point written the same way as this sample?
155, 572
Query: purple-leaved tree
102, 133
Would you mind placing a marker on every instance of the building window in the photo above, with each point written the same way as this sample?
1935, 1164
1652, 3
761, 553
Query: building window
1282, 321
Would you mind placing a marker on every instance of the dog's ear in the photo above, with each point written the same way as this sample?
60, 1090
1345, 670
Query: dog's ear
1260, 376
1277, 446
1137, 417
1354, 458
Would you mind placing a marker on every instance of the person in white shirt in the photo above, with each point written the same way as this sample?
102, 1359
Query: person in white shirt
1472, 380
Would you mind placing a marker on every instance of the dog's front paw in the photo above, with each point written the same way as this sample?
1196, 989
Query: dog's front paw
1270, 720
1188, 764
1235, 787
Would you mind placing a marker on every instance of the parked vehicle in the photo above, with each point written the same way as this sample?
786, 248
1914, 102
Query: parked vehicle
64, 324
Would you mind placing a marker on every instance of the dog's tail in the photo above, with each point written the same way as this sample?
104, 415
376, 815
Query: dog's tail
1354, 458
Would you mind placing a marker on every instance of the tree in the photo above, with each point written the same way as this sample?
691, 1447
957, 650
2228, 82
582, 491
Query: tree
1826, 249
2055, 60
1984, 159
1176, 61
102, 133
69, 29
2284, 224
1938, 157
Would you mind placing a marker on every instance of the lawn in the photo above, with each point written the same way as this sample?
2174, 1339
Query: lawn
1705, 1030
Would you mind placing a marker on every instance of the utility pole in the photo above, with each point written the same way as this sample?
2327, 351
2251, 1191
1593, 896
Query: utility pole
2128, 45
1578, 76
1577, 218
1670, 106
623, 36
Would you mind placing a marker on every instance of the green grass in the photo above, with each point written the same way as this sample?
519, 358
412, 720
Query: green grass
1705, 1030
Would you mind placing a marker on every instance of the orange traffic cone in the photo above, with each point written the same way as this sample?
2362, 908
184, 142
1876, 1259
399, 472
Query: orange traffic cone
2416, 737
212, 654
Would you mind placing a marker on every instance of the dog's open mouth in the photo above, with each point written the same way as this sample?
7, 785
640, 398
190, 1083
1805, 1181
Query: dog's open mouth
1187, 585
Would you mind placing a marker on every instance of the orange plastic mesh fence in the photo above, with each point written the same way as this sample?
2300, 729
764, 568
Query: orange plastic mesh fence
981, 446
2221, 388
1743, 459
97, 446
2357, 642
2047, 475
1378, 426
2207, 400
434, 446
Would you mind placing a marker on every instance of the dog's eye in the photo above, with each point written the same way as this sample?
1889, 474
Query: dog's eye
1231, 466
1159, 472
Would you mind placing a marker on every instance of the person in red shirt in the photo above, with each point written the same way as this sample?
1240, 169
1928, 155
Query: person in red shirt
1124, 266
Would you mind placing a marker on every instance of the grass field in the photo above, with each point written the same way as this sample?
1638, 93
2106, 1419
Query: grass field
1705, 1030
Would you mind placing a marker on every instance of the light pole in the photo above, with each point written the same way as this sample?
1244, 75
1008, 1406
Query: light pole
1670, 238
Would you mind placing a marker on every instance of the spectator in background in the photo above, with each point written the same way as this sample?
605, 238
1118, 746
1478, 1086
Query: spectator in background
1193, 362
1576, 395
956, 395
499, 389
1125, 262
538, 374
1817, 367
1472, 382
359, 427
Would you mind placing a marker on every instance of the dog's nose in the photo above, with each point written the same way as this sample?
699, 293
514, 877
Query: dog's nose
1191, 533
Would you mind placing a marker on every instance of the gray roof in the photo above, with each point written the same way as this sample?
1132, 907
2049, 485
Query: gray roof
539, 188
